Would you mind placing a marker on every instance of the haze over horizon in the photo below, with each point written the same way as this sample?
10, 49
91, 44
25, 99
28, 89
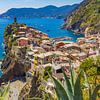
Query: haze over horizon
8, 4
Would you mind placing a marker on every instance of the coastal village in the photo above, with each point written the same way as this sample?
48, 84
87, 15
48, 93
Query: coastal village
42, 52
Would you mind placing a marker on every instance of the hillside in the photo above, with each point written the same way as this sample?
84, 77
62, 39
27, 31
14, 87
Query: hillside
48, 11
85, 19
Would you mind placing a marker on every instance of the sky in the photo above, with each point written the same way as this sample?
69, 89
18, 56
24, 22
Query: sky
7, 4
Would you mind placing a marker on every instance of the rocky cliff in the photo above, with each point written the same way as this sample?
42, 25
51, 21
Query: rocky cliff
85, 19
13, 65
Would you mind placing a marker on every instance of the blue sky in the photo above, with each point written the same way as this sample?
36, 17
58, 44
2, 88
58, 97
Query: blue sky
7, 4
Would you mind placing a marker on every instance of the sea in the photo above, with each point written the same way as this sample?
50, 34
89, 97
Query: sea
47, 25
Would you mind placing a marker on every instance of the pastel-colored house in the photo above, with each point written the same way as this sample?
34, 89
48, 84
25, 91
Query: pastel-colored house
22, 41
29, 35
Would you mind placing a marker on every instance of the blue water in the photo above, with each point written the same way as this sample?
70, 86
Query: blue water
50, 26
1, 73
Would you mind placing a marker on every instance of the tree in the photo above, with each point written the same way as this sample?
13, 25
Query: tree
91, 66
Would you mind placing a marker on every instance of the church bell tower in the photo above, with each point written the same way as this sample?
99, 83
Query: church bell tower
15, 20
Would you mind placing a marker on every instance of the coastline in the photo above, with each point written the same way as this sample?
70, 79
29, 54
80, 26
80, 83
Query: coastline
51, 51
1, 72
1, 59
26, 55
7, 20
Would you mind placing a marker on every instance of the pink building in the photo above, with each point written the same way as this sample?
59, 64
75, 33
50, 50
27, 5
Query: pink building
22, 41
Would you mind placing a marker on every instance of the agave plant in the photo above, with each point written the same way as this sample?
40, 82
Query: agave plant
72, 89
4, 92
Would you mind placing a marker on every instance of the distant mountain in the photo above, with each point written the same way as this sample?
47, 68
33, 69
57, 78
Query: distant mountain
85, 19
48, 11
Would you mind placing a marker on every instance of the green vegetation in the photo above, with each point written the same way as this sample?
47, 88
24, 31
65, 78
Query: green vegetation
72, 89
91, 66
46, 70
79, 86
8, 35
15, 31
87, 15
4, 92
34, 89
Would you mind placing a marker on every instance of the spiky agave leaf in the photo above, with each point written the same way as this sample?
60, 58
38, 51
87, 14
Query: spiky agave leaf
1, 91
68, 86
60, 91
95, 92
77, 89
2, 98
6, 92
4, 95
73, 76
34, 98
86, 83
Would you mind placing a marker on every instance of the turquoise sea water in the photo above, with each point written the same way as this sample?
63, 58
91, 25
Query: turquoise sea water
50, 26
1, 73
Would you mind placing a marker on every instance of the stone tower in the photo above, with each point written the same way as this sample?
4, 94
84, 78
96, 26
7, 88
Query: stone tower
15, 20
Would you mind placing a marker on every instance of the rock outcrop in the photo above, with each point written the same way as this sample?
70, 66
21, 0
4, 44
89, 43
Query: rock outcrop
13, 65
